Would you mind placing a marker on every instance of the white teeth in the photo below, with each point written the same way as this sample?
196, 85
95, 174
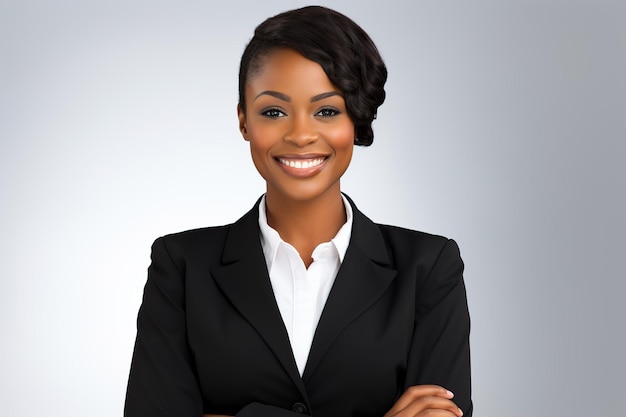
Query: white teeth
302, 164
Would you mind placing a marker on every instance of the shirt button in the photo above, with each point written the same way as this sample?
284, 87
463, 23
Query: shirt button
299, 408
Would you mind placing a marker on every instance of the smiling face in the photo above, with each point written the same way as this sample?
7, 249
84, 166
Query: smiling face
301, 137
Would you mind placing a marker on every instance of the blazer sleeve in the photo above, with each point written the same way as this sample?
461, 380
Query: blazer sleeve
162, 381
440, 351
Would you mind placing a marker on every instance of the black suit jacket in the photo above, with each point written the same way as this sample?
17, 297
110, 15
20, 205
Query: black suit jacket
210, 338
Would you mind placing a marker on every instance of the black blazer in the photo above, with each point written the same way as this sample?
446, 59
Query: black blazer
210, 338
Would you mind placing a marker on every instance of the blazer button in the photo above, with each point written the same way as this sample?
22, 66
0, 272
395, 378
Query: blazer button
299, 408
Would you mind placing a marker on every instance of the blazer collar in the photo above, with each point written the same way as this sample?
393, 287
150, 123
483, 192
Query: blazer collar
244, 235
365, 271
244, 279
364, 275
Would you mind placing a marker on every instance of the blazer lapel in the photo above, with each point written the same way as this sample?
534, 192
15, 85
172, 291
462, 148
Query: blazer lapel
363, 277
245, 281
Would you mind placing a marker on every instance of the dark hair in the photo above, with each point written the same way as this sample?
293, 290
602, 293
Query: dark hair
345, 52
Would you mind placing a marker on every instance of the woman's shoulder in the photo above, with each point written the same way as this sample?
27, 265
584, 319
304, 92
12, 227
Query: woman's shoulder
199, 241
404, 245
200, 233
399, 232
211, 241
408, 245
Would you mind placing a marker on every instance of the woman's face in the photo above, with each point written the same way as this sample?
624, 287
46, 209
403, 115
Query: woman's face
301, 137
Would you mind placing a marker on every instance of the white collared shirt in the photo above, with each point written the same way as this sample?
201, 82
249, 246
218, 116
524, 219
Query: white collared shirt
301, 293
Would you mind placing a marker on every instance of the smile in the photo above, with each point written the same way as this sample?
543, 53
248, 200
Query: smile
301, 163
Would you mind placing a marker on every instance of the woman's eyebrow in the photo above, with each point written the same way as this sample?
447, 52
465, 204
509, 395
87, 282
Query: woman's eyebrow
324, 95
286, 98
276, 94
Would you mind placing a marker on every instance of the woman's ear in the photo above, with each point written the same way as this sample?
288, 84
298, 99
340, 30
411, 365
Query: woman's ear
242, 122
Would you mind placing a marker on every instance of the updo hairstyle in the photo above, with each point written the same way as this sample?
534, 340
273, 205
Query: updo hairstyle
346, 53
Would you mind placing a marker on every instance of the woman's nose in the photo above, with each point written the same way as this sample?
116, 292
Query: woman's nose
301, 131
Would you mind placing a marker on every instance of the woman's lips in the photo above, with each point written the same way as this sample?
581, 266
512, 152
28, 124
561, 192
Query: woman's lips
301, 166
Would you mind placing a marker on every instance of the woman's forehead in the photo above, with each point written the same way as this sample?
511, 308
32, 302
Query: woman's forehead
286, 69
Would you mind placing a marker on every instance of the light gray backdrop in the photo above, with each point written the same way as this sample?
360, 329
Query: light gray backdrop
504, 128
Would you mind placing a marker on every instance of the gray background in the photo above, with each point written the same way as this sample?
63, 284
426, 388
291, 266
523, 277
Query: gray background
504, 128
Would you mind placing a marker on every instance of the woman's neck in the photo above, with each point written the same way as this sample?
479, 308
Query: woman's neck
306, 224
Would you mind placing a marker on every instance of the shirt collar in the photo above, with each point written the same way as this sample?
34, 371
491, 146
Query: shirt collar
271, 240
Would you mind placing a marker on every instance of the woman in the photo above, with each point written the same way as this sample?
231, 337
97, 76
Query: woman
304, 305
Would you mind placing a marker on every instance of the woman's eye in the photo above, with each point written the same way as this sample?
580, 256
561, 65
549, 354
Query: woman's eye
273, 113
327, 112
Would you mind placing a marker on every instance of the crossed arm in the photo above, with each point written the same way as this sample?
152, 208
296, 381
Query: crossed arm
418, 401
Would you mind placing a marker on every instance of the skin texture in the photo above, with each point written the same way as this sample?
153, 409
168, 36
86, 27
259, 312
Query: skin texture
293, 112
425, 401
